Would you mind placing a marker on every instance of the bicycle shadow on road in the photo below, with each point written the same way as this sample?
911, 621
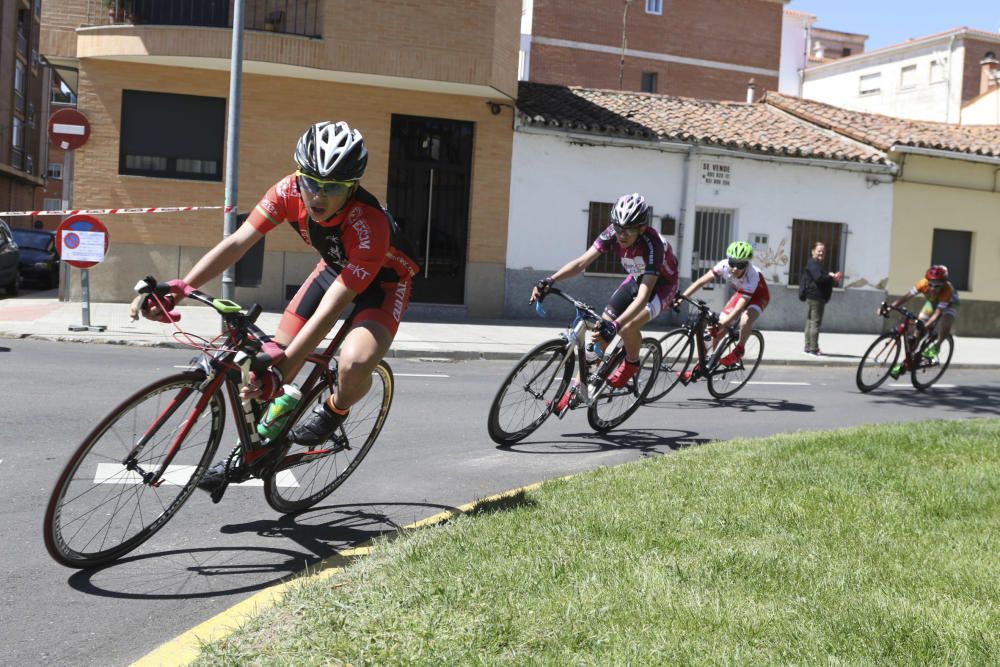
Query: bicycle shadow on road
740, 404
646, 441
321, 534
976, 399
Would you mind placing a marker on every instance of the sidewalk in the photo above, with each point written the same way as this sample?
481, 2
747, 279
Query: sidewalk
46, 318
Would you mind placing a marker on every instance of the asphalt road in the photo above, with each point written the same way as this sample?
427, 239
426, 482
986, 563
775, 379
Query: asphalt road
433, 454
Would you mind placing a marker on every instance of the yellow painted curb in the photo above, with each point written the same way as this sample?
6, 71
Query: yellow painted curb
183, 650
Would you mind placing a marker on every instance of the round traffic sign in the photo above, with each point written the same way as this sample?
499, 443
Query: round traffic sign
68, 128
77, 238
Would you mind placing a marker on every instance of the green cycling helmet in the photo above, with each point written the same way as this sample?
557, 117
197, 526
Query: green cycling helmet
740, 250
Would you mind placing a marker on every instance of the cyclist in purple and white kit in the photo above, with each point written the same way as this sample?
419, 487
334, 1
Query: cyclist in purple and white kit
648, 290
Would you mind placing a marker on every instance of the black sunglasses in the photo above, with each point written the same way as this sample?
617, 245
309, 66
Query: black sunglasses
738, 264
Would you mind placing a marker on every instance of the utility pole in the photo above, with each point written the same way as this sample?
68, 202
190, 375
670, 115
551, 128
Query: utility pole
233, 141
621, 64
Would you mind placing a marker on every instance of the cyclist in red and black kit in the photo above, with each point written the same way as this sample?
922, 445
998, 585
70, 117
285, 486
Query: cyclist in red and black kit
360, 263
648, 290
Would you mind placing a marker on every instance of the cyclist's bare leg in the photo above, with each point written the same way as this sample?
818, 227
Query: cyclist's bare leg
362, 350
631, 333
747, 319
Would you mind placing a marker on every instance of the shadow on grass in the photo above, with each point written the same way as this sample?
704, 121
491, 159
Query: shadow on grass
504, 503
981, 400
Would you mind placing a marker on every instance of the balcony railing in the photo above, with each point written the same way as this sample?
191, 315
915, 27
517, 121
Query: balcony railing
291, 17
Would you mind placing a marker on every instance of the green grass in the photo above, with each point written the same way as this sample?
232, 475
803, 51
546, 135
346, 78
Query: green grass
866, 546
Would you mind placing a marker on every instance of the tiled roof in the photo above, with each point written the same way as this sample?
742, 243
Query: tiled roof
883, 132
755, 128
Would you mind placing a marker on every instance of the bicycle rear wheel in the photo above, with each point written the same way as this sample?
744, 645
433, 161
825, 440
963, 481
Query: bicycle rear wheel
100, 509
316, 474
879, 359
676, 349
530, 392
725, 381
929, 371
613, 406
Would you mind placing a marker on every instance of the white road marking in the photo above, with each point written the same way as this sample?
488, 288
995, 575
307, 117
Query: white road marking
793, 384
176, 475
420, 375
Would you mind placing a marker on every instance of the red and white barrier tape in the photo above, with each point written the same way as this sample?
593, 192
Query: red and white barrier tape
118, 211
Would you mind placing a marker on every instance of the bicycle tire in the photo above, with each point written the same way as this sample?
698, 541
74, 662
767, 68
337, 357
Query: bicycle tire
926, 371
676, 351
99, 510
540, 386
878, 360
300, 486
611, 406
724, 381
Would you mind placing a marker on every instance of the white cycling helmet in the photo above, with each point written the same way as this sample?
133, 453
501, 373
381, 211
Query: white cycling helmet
630, 211
333, 151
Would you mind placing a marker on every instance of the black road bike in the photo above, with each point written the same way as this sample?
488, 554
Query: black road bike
533, 389
900, 347
137, 467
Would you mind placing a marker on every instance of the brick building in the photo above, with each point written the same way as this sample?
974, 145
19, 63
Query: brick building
693, 48
430, 86
24, 105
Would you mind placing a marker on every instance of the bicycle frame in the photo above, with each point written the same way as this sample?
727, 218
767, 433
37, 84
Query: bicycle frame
230, 367
902, 331
576, 337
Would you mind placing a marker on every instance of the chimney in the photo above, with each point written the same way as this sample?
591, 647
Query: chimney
751, 86
989, 72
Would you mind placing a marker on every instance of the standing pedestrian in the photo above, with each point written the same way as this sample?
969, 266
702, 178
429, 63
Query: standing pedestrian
815, 288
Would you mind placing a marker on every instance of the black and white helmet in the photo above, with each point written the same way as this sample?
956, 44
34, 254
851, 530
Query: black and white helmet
630, 211
333, 151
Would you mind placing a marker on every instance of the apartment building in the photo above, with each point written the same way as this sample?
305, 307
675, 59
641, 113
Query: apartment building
709, 50
430, 86
804, 44
24, 99
930, 78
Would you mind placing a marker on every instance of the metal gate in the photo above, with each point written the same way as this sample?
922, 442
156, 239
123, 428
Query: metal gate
712, 233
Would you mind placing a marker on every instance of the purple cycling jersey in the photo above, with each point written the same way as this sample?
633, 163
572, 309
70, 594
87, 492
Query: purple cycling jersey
650, 255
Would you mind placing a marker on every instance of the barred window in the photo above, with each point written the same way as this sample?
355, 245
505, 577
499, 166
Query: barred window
598, 220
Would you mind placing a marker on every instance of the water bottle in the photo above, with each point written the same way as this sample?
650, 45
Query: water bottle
594, 352
278, 411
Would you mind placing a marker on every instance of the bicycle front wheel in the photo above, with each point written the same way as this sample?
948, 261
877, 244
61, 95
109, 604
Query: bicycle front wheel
101, 508
318, 471
725, 381
613, 406
929, 370
530, 392
879, 359
676, 349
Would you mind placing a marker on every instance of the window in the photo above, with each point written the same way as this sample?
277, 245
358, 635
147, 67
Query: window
805, 235
937, 71
654, 6
599, 218
649, 82
55, 170
908, 76
953, 248
712, 233
52, 204
19, 82
870, 84
172, 136
845, 51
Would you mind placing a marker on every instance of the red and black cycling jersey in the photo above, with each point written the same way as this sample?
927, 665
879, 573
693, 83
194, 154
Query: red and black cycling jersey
361, 242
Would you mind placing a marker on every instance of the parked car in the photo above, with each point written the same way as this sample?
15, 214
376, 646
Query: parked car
39, 260
10, 258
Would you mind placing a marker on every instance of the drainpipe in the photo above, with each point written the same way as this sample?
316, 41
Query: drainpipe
947, 101
682, 216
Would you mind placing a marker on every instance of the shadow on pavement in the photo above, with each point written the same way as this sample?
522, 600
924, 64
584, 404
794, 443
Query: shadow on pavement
647, 441
321, 533
982, 400
741, 404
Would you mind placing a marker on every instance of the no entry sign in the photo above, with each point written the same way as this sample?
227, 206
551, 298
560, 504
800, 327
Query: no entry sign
68, 129
82, 241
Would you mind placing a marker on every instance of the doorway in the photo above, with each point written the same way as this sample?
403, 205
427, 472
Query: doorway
430, 172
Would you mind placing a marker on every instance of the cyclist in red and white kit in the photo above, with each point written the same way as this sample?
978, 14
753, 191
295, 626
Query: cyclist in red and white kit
648, 290
360, 262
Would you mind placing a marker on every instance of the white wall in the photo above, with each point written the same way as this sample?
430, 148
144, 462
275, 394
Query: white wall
838, 83
793, 51
553, 183
985, 110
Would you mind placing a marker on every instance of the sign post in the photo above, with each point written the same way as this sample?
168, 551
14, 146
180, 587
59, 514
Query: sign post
82, 241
